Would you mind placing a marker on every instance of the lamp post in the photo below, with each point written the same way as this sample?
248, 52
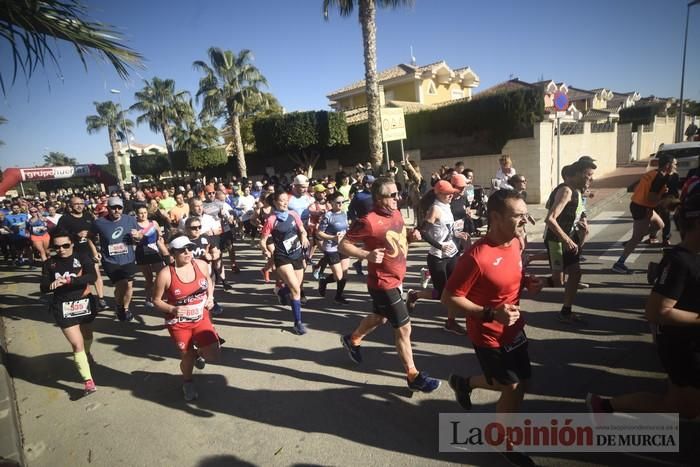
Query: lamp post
679, 117
128, 146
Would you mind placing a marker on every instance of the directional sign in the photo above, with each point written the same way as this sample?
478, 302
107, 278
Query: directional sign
561, 101
393, 124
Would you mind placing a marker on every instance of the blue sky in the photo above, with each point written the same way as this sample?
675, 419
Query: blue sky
622, 45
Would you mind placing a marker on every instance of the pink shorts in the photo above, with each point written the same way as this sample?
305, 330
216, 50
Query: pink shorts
40, 238
201, 333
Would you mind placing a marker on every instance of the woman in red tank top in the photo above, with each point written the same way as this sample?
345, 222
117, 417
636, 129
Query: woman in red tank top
188, 293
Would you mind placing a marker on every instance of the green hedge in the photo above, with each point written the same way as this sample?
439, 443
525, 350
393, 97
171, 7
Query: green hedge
298, 131
149, 164
640, 114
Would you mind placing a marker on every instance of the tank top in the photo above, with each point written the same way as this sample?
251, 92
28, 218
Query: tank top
191, 296
147, 244
441, 229
644, 187
37, 226
568, 216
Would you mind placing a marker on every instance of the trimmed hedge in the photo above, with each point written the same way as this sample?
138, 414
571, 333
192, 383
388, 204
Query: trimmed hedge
640, 114
149, 164
298, 131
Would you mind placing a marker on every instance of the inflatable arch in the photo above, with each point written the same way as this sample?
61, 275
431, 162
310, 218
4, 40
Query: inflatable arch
13, 176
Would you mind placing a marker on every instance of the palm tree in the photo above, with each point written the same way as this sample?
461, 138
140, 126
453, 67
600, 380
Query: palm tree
158, 101
30, 26
367, 15
229, 85
191, 134
54, 158
111, 116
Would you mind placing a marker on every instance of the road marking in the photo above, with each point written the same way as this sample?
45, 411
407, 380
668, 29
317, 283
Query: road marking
613, 253
601, 221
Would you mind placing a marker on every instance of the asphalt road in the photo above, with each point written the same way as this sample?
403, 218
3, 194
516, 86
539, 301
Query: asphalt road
281, 399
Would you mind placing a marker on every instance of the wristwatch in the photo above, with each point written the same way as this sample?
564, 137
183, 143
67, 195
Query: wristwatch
488, 314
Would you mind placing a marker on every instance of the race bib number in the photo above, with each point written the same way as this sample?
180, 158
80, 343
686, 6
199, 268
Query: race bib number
520, 339
458, 226
39, 230
117, 249
76, 308
291, 244
193, 312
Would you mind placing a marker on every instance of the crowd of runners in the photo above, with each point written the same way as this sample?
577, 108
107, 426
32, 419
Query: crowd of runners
183, 240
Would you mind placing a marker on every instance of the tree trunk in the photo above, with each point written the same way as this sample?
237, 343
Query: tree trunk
115, 155
368, 12
238, 143
169, 146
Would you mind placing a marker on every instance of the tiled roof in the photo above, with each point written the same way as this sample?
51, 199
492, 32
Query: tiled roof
595, 115
393, 72
576, 94
505, 86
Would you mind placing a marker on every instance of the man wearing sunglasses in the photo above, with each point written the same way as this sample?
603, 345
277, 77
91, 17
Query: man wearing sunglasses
383, 234
118, 233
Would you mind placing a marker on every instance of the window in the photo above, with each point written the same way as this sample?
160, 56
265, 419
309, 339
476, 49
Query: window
389, 95
431, 88
457, 94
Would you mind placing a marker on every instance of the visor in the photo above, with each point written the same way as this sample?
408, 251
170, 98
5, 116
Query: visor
180, 243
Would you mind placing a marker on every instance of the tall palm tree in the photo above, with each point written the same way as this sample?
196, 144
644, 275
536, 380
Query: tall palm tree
31, 27
367, 16
158, 101
229, 85
111, 116
54, 158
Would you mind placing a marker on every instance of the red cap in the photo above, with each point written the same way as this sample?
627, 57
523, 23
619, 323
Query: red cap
444, 187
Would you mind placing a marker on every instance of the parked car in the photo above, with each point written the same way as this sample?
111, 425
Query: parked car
687, 154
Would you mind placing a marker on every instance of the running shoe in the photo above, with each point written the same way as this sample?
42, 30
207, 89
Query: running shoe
148, 303
124, 314
411, 299
583, 285
424, 278
316, 273
620, 268
455, 328
90, 387
216, 310
200, 363
341, 301
226, 285
189, 391
423, 383
353, 350
357, 265
322, 285
463, 392
101, 304
572, 319
235, 269
300, 328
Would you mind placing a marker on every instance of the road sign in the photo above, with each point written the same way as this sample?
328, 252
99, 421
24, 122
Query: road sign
393, 124
561, 101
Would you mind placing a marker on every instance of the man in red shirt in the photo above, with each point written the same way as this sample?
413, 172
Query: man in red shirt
385, 247
485, 286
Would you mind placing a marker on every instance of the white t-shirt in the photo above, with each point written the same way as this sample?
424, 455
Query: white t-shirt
246, 205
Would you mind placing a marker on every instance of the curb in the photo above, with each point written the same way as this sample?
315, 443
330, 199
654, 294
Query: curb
11, 453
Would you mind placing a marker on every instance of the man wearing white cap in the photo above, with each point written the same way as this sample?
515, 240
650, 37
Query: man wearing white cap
299, 202
118, 235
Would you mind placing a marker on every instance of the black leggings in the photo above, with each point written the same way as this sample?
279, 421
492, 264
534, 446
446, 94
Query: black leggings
440, 270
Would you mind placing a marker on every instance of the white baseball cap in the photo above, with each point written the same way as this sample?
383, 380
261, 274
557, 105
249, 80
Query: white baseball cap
301, 180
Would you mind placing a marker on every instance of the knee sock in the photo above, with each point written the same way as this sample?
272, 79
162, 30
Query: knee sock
296, 309
81, 363
341, 288
87, 344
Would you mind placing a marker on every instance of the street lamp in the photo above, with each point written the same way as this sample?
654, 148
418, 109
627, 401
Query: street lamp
679, 116
128, 145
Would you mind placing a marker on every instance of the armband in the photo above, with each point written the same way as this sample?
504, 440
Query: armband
488, 315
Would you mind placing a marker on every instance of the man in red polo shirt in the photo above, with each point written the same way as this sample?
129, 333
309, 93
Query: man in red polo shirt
485, 286
385, 241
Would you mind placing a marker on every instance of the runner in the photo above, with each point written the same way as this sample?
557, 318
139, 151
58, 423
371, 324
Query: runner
645, 198
150, 251
385, 247
438, 230
68, 275
566, 233
118, 233
78, 224
16, 222
486, 287
331, 230
38, 228
189, 293
674, 309
202, 251
289, 240
299, 201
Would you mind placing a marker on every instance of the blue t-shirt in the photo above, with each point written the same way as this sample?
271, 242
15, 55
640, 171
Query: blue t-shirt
300, 205
333, 223
117, 246
37, 227
17, 223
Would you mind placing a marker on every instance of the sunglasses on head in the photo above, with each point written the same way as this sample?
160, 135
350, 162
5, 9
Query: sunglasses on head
189, 248
62, 246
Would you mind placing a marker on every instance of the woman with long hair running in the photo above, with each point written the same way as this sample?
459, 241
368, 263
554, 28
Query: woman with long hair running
38, 228
289, 240
331, 231
189, 295
150, 251
68, 276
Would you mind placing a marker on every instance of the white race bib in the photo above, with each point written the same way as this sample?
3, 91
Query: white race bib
76, 308
151, 249
458, 226
291, 244
117, 249
193, 312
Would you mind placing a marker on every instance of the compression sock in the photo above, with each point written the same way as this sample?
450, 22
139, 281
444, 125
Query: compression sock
329, 279
296, 309
341, 288
81, 363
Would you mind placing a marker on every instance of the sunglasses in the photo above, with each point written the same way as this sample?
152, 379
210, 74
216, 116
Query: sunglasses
116, 208
33, 212
195, 227
394, 195
63, 246
178, 251
211, 192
